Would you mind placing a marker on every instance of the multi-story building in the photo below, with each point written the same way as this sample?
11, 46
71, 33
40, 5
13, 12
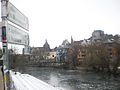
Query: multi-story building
97, 36
61, 51
42, 52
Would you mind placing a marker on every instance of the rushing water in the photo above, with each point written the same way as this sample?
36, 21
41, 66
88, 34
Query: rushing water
74, 79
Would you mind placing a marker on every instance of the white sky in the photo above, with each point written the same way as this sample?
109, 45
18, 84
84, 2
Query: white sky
56, 20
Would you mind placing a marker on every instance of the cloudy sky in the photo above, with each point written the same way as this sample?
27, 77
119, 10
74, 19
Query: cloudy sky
56, 20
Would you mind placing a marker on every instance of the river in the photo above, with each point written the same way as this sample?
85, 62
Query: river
74, 79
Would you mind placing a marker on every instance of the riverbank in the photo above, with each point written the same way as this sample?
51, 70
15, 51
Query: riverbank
28, 82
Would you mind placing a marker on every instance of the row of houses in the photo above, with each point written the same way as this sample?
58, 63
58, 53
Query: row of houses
60, 54
109, 41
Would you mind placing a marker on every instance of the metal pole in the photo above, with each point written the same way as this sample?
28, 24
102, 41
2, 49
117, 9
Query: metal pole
4, 4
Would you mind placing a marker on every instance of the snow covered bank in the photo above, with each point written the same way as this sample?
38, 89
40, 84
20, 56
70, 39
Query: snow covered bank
28, 82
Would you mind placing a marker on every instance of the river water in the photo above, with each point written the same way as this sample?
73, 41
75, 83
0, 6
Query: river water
74, 79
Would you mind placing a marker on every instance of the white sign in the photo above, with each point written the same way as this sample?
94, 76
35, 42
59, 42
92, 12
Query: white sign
15, 16
17, 36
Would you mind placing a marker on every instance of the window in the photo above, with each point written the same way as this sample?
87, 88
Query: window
52, 55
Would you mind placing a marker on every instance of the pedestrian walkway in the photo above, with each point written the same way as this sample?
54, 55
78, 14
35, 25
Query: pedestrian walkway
1, 81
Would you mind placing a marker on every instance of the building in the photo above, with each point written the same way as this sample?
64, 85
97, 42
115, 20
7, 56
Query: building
46, 46
61, 51
42, 52
51, 55
97, 36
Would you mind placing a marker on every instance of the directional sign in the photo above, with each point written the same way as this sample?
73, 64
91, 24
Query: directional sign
17, 36
15, 16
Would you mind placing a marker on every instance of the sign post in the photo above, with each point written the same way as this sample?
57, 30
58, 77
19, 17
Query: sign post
4, 44
12, 34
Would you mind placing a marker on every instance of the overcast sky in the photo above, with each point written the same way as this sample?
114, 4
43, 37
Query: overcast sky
57, 20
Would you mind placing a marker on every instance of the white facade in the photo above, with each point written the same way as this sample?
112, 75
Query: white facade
51, 55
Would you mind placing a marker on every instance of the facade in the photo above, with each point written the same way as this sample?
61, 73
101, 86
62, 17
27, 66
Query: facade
51, 55
61, 54
61, 51
97, 36
81, 55
42, 52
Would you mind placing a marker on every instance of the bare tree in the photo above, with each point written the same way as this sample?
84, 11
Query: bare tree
97, 56
115, 63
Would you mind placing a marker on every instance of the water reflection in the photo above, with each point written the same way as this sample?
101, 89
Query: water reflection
74, 79
54, 79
